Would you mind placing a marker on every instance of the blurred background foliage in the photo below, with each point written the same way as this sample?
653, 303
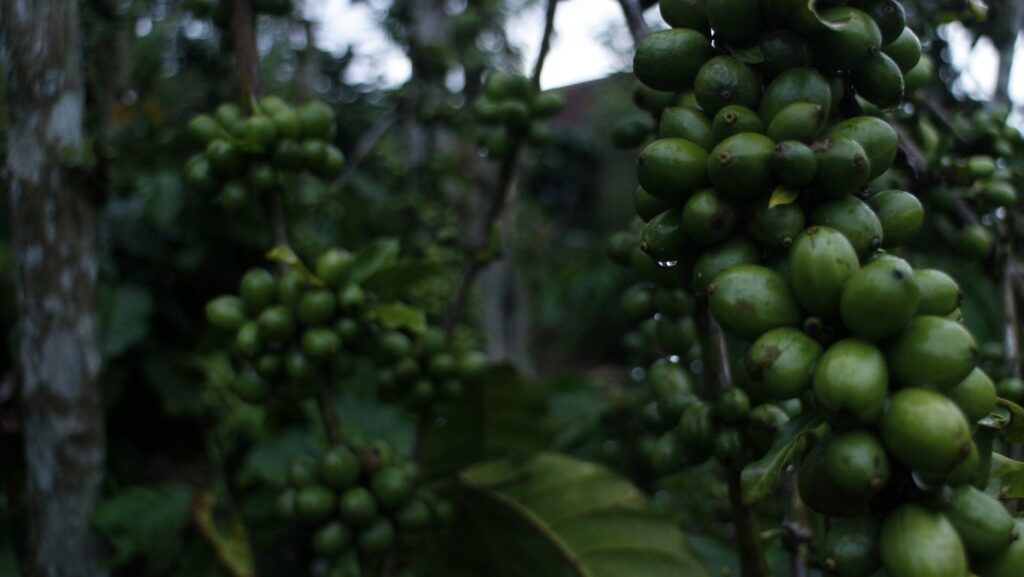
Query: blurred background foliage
172, 428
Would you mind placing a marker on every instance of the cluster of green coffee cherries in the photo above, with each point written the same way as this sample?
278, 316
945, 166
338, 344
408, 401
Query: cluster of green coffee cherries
713, 91
677, 427
220, 10
295, 329
758, 197
511, 110
246, 156
424, 370
983, 180
359, 501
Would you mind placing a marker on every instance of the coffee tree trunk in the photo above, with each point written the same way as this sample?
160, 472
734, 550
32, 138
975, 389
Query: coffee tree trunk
53, 236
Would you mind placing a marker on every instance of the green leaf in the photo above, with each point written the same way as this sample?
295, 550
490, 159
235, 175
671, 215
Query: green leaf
783, 195
553, 515
283, 254
373, 420
178, 389
1014, 429
501, 415
125, 311
163, 193
1006, 478
267, 461
143, 521
230, 544
373, 258
391, 281
399, 316
760, 478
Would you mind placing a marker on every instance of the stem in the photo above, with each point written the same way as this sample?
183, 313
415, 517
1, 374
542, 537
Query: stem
716, 353
1011, 339
943, 115
332, 426
247, 66
634, 14
797, 533
247, 58
1012, 19
912, 153
718, 378
275, 212
545, 42
475, 259
966, 214
753, 562
475, 262
370, 139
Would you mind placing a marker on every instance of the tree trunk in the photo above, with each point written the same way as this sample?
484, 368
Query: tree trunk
53, 236
1005, 39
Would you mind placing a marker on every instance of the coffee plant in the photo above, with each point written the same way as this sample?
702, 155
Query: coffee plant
757, 195
349, 325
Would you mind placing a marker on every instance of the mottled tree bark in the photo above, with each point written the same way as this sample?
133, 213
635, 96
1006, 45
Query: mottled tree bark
53, 235
1011, 19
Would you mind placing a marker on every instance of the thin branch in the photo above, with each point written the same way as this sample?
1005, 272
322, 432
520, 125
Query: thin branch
476, 254
634, 14
943, 116
797, 533
247, 67
1011, 338
367, 142
545, 42
716, 356
915, 158
718, 378
332, 426
477, 257
965, 213
247, 57
275, 212
753, 562
1012, 21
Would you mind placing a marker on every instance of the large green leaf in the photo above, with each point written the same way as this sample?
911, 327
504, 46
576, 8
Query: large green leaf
552, 515
1006, 478
501, 415
124, 318
391, 281
399, 316
268, 459
374, 420
373, 258
760, 478
144, 521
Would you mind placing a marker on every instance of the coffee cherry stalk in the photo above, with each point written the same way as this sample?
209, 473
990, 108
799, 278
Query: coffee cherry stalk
756, 198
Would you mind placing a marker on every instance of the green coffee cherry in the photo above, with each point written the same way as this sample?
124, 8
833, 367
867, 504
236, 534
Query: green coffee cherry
820, 262
879, 299
857, 462
917, 542
750, 300
226, 312
851, 382
931, 351
314, 503
780, 363
851, 548
925, 431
